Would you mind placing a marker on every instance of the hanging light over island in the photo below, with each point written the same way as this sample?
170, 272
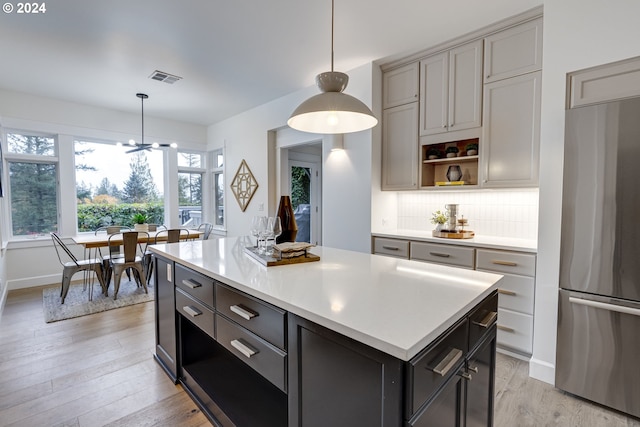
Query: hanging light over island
332, 111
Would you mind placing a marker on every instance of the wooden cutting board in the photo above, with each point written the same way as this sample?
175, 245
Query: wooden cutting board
465, 234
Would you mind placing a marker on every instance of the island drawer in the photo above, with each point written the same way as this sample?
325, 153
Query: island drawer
264, 358
392, 247
482, 319
263, 319
459, 256
430, 369
506, 262
195, 284
192, 309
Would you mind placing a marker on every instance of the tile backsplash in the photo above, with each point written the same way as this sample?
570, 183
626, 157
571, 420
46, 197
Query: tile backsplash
499, 213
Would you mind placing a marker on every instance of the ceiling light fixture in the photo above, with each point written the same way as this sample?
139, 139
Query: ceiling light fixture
332, 111
142, 145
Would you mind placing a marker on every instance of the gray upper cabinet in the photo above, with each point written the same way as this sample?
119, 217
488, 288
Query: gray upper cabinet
400, 86
511, 132
605, 83
400, 147
451, 90
513, 52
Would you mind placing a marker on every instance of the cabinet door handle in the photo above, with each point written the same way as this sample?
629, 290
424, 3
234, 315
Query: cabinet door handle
506, 292
473, 369
507, 263
391, 248
440, 254
467, 376
191, 311
190, 283
505, 328
448, 362
243, 312
488, 320
243, 348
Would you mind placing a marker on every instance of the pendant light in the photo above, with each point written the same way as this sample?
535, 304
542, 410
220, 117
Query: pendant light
142, 145
332, 111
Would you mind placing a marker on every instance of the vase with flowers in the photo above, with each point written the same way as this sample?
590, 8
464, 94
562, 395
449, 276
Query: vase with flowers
439, 218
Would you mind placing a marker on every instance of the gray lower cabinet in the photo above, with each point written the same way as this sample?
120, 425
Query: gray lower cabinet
248, 363
166, 351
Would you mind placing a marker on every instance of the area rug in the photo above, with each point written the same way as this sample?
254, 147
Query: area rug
77, 302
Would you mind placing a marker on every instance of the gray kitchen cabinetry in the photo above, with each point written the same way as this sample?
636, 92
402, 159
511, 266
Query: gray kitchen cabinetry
451, 90
400, 86
515, 312
166, 350
516, 290
514, 51
400, 147
511, 132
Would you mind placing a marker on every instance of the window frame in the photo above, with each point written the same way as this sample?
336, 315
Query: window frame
11, 157
202, 170
218, 170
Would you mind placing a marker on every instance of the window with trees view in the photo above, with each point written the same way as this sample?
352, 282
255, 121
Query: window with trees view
190, 177
33, 177
218, 188
112, 186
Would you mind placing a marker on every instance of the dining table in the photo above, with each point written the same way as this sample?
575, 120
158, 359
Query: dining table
92, 242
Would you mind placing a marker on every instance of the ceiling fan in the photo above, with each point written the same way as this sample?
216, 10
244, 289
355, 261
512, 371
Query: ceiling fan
140, 146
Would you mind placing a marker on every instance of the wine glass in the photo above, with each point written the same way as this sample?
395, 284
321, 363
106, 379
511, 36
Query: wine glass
255, 229
264, 234
275, 229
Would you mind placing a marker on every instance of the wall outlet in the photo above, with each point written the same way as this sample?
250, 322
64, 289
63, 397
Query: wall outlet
261, 207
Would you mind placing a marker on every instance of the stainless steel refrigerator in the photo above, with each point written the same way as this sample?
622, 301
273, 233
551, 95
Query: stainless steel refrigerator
598, 347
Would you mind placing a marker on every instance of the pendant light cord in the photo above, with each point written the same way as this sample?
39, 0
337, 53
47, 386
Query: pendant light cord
332, 14
142, 101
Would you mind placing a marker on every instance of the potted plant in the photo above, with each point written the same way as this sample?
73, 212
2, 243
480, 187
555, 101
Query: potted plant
471, 149
452, 151
433, 153
140, 222
439, 218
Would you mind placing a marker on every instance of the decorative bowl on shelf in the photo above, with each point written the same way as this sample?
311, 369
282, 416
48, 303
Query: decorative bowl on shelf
450, 155
472, 152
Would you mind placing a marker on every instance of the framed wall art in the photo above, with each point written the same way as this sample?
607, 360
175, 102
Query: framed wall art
244, 185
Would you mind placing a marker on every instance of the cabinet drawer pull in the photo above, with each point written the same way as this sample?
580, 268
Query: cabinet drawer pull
506, 292
243, 348
507, 263
506, 329
448, 362
440, 254
473, 369
243, 312
488, 320
191, 311
467, 376
190, 283
391, 248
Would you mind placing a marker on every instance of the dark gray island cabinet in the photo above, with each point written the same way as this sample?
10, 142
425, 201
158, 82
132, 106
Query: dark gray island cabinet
250, 362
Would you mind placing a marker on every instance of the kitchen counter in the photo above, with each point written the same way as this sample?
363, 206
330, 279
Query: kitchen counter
393, 305
490, 242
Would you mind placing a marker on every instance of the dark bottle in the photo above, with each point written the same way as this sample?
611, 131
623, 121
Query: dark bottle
287, 221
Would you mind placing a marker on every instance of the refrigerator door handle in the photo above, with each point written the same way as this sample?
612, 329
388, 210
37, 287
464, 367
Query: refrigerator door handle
605, 306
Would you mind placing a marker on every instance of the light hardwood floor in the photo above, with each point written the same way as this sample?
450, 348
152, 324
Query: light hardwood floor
98, 370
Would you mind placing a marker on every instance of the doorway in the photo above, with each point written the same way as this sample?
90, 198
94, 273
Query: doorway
305, 178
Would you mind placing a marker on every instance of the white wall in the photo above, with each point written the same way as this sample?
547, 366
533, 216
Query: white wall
347, 175
577, 34
33, 262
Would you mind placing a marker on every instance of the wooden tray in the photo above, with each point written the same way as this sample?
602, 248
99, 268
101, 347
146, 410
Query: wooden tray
271, 261
466, 234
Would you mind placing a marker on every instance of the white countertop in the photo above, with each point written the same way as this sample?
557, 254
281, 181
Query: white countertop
394, 305
490, 242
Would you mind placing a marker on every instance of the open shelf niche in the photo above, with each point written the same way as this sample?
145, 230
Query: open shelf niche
435, 164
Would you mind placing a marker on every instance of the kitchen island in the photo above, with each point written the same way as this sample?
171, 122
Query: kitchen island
353, 339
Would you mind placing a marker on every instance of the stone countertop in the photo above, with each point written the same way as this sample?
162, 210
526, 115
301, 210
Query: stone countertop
478, 241
394, 305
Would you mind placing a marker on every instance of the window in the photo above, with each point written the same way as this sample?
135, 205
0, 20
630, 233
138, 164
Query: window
33, 179
218, 188
190, 177
112, 185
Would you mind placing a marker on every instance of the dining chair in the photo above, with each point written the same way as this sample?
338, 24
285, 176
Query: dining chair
132, 258
172, 236
115, 251
206, 228
74, 265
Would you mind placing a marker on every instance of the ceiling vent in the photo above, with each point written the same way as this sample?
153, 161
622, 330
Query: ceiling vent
161, 76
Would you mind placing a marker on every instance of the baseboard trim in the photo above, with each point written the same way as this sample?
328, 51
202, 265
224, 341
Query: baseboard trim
34, 282
543, 371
